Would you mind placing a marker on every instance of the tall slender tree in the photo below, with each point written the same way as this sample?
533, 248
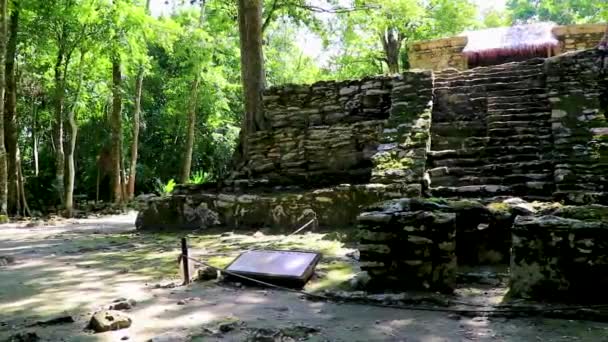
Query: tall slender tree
3, 159
72, 128
10, 117
193, 102
116, 129
139, 81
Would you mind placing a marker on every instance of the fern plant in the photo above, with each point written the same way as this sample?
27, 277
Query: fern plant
200, 177
164, 189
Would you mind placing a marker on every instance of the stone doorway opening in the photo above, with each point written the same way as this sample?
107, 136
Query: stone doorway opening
483, 249
483, 233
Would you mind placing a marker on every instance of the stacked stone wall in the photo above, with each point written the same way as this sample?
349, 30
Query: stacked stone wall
579, 37
561, 258
578, 91
439, 54
334, 207
328, 133
400, 159
409, 244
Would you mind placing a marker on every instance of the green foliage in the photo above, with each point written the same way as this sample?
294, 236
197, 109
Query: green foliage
495, 18
285, 61
163, 189
184, 45
361, 32
200, 177
562, 12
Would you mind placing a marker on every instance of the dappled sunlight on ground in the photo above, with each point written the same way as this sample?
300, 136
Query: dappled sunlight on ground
76, 267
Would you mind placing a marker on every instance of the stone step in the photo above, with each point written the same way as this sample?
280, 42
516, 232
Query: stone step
491, 72
514, 124
455, 153
538, 105
463, 181
507, 68
517, 92
439, 142
485, 162
490, 153
456, 162
534, 188
519, 184
503, 170
457, 82
495, 100
513, 158
518, 131
519, 140
533, 116
489, 77
504, 91
517, 110
498, 88
458, 124
528, 177
515, 149
530, 191
471, 191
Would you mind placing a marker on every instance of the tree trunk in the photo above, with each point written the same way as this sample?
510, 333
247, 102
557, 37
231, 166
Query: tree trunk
135, 144
26, 208
136, 123
35, 137
71, 148
391, 44
116, 130
192, 104
10, 116
3, 162
252, 63
58, 124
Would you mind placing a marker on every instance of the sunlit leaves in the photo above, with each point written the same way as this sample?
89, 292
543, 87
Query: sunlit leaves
562, 12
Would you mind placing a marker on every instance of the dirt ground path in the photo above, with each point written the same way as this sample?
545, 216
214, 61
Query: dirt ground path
74, 267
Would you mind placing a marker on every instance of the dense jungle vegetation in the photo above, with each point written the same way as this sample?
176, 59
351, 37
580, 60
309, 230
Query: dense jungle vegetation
108, 99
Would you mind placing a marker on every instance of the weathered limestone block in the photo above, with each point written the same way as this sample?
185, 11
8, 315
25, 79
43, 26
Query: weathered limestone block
175, 213
417, 250
333, 207
578, 90
560, 259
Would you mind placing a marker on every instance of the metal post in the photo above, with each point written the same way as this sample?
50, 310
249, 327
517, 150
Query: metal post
185, 261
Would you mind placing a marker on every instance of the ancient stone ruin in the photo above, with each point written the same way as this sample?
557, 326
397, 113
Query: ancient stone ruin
505, 164
503, 44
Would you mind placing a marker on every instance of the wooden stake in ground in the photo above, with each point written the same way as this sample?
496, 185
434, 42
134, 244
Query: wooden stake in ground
185, 262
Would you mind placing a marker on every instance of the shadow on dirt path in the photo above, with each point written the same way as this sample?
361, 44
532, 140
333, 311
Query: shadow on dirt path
76, 267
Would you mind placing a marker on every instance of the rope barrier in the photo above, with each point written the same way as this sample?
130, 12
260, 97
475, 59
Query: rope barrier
356, 301
400, 307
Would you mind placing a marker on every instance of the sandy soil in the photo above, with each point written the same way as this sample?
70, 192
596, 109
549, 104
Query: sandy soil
75, 267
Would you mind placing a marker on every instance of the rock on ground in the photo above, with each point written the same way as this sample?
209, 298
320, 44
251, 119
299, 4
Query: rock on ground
107, 320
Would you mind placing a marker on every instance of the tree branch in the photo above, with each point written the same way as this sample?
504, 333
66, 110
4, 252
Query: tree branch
271, 11
319, 9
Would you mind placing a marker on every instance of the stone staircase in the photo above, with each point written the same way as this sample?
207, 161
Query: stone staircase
491, 133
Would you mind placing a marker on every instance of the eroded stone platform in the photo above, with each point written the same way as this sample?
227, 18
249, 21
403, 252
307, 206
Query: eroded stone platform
334, 207
500, 137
